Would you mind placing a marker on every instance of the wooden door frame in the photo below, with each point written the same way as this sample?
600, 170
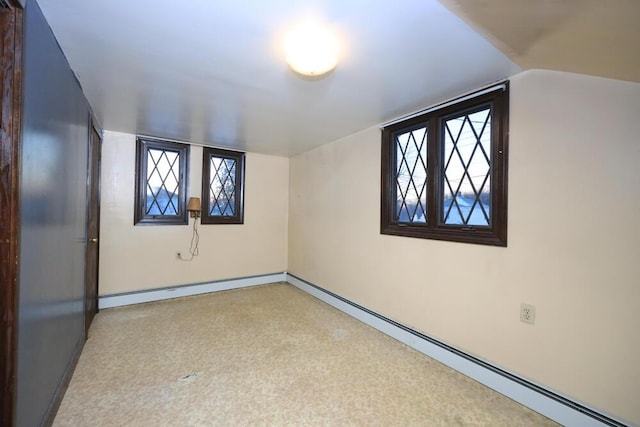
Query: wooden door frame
91, 283
11, 32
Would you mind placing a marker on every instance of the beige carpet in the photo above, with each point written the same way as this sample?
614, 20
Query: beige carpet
268, 355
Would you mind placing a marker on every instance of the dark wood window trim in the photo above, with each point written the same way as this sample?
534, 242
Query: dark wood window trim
207, 197
11, 31
141, 217
494, 234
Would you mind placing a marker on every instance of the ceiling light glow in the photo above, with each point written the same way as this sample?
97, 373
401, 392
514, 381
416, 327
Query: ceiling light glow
311, 49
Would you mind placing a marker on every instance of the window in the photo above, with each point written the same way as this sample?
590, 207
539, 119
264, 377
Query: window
444, 172
161, 182
222, 186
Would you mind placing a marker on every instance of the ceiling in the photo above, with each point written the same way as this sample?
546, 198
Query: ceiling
596, 37
213, 72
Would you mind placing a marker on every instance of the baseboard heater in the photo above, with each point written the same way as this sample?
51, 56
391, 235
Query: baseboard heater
552, 405
170, 292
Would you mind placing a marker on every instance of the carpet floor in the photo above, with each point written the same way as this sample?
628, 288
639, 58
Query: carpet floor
267, 355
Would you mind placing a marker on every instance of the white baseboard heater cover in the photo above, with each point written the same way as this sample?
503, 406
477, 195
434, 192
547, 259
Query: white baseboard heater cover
552, 405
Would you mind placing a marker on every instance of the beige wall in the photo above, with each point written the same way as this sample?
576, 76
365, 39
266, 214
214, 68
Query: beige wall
573, 250
134, 258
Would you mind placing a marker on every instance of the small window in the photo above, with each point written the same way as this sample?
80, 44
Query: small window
444, 173
222, 186
161, 182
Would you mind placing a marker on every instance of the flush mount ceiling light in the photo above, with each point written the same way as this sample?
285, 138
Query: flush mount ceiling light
311, 49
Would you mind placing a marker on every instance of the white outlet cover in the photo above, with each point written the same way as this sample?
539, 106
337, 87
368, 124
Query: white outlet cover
527, 313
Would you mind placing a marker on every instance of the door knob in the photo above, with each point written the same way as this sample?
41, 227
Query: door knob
94, 240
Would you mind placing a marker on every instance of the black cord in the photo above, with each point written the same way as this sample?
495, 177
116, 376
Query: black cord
195, 239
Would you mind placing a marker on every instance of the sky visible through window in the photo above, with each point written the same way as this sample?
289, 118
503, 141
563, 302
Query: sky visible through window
222, 187
466, 183
411, 175
467, 156
163, 186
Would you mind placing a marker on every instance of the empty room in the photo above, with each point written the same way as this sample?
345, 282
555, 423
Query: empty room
320, 212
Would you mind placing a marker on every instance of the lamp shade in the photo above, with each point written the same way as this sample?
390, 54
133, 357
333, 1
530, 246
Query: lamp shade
194, 204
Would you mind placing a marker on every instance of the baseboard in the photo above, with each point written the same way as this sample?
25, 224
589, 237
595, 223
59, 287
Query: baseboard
552, 405
52, 410
158, 294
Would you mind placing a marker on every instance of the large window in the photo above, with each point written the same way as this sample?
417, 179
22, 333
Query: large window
161, 182
222, 186
444, 173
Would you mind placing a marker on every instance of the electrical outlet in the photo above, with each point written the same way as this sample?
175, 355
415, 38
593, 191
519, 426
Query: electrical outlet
178, 255
527, 313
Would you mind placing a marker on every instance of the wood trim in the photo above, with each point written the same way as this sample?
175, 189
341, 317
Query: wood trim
11, 24
143, 145
496, 233
92, 248
239, 157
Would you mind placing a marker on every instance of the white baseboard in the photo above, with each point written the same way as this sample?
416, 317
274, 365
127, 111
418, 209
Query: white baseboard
552, 405
109, 301
547, 403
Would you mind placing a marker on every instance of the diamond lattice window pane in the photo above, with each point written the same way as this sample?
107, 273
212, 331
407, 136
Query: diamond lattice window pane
411, 176
222, 187
163, 184
467, 171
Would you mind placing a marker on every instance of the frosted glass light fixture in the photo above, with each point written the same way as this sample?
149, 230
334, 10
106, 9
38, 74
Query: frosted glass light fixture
311, 49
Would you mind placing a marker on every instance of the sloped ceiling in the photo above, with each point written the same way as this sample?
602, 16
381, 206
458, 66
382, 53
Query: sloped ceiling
596, 37
213, 72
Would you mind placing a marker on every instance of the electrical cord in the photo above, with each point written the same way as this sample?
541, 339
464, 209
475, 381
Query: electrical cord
195, 239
